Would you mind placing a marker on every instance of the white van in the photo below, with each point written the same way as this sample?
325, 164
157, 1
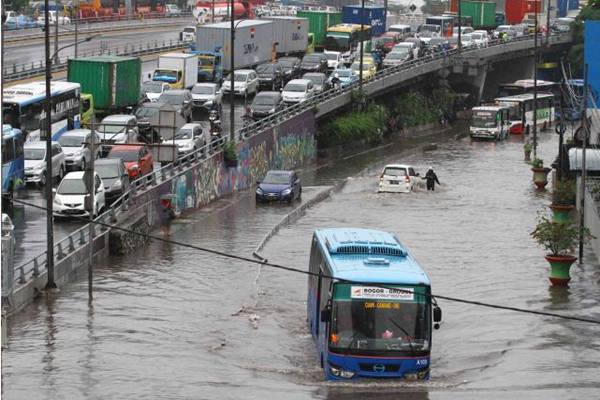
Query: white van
398, 178
297, 90
404, 30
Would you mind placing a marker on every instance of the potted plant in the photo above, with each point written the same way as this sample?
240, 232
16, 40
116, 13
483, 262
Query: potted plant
230, 155
559, 238
540, 173
563, 200
527, 147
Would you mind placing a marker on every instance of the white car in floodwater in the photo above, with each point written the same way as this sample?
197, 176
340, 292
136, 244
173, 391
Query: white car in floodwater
398, 178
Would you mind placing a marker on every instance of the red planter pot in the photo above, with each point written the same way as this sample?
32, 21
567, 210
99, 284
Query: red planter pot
559, 269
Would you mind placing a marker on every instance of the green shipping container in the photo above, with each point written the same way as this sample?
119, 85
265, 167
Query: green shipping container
114, 81
319, 21
483, 13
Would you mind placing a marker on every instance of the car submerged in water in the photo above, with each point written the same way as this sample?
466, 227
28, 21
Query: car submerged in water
279, 186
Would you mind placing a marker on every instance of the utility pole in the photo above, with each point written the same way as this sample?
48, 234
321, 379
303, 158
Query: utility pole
584, 130
48, 127
232, 92
76, 16
362, 36
460, 26
548, 8
212, 14
535, 61
92, 188
55, 33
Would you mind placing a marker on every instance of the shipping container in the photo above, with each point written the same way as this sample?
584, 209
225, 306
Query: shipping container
185, 63
483, 13
453, 6
319, 21
515, 10
291, 34
373, 16
561, 10
113, 81
573, 5
253, 42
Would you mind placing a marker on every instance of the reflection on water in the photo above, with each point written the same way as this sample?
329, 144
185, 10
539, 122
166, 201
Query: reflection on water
170, 322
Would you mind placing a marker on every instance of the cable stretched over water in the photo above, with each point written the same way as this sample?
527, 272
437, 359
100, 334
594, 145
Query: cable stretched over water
303, 272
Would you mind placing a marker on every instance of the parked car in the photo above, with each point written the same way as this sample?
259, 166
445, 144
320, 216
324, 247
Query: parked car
265, 104
314, 62
346, 77
245, 82
137, 159
297, 90
153, 89
279, 186
69, 197
334, 59
20, 22
189, 138
319, 80
398, 178
118, 128
114, 176
291, 68
270, 75
35, 162
181, 99
207, 95
76, 144
368, 70
62, 20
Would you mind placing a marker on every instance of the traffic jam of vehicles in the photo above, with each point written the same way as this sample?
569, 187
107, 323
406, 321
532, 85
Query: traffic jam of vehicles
181, 101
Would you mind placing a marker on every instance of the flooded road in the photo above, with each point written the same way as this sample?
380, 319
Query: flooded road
170, 322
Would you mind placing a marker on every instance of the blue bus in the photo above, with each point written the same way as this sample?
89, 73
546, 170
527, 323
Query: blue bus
13, 161
369, 306
23, 107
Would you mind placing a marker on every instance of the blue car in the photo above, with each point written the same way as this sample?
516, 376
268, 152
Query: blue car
346, 77
279, 186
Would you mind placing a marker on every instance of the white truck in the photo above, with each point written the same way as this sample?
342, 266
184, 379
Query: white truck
179, 70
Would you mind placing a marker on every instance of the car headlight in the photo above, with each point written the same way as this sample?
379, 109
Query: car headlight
57, 201
78, 153
38, 168
117, 184
259, 191
272, 110
286, 191
208, 103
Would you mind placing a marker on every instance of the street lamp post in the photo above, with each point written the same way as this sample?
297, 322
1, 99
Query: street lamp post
459, 9
232, 63
535, 61
362, 27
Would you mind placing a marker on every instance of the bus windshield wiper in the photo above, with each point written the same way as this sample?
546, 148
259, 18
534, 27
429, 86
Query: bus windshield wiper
352, 339
410, 342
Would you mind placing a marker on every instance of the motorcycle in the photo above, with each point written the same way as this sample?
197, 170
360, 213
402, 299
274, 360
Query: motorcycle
216, 132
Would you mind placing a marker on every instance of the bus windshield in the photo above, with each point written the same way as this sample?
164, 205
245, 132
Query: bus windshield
484, 119
337, 42
393, 323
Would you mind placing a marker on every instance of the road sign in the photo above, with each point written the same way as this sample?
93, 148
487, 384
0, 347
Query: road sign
412, 8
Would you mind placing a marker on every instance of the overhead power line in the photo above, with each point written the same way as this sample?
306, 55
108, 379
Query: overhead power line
303, 272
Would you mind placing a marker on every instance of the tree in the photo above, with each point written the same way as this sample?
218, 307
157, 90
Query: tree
590, 12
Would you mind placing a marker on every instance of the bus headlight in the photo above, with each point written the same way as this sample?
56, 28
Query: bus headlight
411, 377
341, 373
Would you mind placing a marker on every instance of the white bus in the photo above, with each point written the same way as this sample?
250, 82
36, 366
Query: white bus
521, 121
23, 107
490, 122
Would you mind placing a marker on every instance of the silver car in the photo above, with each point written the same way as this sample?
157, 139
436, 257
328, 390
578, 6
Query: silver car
76, 145
207, 95
35, 162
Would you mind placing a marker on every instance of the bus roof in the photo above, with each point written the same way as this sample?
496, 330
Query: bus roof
369, 256
26, 93
347, 28
518, 98
490, 108
528, 83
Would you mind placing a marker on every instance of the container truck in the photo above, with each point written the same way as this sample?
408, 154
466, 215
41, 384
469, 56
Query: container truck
112, 81
290, 34
374, 16
483, 13
179, 70
318, 22
253, 42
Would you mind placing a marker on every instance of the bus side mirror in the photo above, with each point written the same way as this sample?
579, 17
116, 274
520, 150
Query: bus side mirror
437, 317
326, 315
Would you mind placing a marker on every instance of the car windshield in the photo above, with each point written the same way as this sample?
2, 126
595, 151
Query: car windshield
34, 154
295, 87
476, 36
401, 50
152, 87
166, 74
72, 186
111, 127
184, 134
265, 68
316, 79
107, 171
70, 141
126, 155
286, 64
389, 322
265, 100
240, 77
203, 89
332, 56
394, 171
189, 30
172, 99
277, 178
484, 119
345, 73
146, 112
311, 59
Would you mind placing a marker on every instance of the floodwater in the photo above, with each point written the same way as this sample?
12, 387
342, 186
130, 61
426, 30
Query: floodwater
170, 322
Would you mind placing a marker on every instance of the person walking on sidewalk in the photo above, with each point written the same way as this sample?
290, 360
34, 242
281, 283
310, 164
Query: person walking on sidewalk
431, 179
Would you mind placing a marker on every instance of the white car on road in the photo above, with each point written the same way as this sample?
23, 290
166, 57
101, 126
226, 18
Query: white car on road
334, 59
76, 145
35, 162
62, 20
206, 95
189, 138
480, 38
297, 90
70, 195
245, 82
398, 178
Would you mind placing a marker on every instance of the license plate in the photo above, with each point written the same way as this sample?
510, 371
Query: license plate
394, 182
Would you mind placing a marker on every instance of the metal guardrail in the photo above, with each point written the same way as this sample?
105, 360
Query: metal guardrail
34, 267
17, 72
95, 25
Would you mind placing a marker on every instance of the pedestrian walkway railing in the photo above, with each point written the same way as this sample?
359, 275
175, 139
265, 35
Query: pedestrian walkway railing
80, 237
